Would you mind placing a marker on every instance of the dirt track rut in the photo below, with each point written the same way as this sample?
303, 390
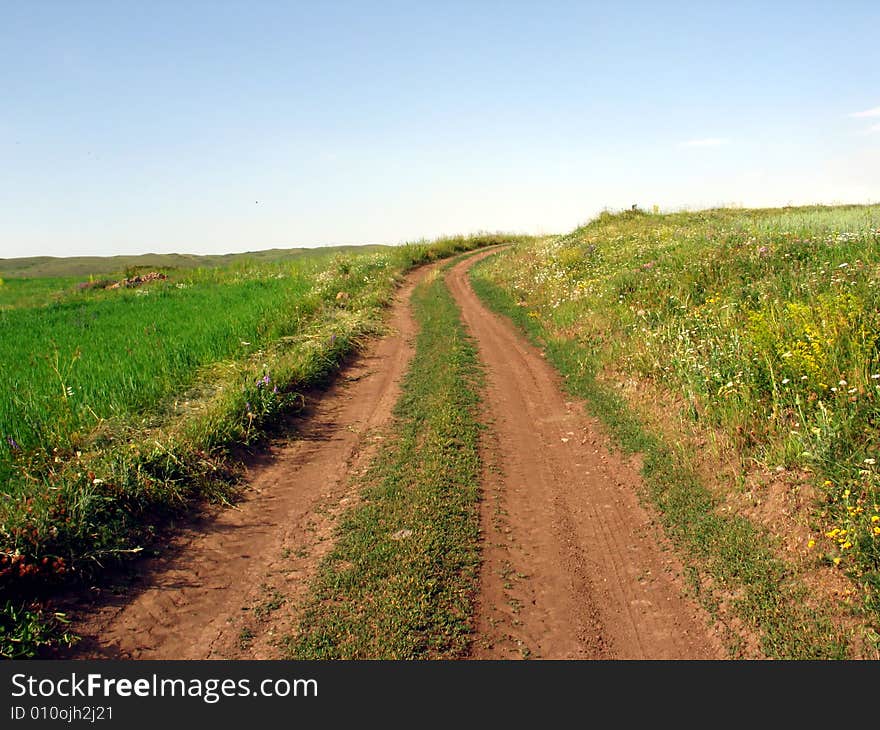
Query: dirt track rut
230, 586
574, 567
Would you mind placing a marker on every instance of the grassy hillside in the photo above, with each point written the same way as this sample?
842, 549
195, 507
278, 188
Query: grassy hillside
741, 347
119, 407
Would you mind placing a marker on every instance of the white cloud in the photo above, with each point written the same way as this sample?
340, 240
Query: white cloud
875, 128
708, 142
875, 112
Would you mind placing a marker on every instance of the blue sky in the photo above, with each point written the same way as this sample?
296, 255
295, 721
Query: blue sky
128, 127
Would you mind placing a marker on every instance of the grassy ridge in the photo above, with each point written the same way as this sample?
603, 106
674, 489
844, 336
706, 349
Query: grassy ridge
94, 492
83, 266
757, 326
399, 582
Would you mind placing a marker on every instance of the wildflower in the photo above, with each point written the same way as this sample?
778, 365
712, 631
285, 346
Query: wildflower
837, 561
833, 533
843, 383
875, 376
785, 381
847, 545
827, 483
875, 518
870, 461
811, 544
13, 444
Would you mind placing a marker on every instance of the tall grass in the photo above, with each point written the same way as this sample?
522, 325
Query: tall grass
68, 365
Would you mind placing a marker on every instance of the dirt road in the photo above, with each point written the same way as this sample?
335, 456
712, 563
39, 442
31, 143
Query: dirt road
573, 566
230, 586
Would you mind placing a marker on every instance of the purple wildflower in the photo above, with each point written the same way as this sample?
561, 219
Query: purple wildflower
12, 444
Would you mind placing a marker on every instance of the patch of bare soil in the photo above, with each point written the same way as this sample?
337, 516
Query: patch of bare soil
230, 586
783, 502
573, 565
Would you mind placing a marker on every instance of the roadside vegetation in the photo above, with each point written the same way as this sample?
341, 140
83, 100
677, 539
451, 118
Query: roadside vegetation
400, 580
121, 407
737, 350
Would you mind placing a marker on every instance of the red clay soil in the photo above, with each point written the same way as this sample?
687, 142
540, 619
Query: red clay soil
573, 565
230, 587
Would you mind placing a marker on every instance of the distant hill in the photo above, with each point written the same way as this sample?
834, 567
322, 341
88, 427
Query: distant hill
52, 266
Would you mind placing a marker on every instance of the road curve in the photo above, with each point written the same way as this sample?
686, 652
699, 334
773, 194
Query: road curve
573, 565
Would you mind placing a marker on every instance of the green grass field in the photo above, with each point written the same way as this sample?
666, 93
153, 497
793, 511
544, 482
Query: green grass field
118, 407
743, 335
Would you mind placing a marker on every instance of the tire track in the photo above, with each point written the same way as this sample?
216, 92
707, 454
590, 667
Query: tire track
574, 567
231, 586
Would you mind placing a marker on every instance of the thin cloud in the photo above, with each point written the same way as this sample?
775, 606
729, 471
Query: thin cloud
875, 112
707, 142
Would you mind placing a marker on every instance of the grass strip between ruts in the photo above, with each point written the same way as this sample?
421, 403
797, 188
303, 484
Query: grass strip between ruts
400, 581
